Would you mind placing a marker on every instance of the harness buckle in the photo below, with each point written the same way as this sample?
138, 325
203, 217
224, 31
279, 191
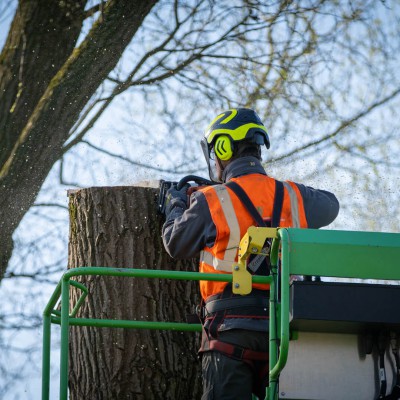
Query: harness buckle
238, 352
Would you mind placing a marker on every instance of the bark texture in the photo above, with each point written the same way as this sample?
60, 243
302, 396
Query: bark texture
45, 84
119, 227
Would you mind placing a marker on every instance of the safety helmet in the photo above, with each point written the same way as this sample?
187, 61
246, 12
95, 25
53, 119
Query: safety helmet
227, 130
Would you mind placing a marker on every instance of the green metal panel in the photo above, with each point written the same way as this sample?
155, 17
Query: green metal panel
347, 254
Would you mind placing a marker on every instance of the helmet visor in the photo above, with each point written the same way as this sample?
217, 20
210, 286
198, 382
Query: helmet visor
209, 155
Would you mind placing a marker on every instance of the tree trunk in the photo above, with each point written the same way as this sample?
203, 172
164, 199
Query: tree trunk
119, 227
28, 152
26, 68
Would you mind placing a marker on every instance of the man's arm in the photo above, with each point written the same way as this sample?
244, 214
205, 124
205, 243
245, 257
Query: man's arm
187, 231
321, 207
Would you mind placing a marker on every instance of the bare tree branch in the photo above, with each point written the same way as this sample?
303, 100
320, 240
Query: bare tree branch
138, 163
344, 124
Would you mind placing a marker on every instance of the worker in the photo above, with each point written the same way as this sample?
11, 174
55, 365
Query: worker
234, 345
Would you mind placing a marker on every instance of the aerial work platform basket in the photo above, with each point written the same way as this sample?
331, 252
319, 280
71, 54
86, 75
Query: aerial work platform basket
321, 334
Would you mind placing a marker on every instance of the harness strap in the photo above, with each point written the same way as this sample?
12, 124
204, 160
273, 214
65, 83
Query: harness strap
219, 316
244, 198
235, 302
258, 361
219, 306
278, 204
237, 352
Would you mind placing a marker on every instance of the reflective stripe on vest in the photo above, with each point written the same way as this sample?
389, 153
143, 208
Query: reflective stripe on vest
234, 237
293, 205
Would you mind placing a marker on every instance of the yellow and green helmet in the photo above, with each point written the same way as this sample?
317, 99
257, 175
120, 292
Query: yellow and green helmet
229, 128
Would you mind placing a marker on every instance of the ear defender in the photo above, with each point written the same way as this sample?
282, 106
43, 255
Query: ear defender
223, 148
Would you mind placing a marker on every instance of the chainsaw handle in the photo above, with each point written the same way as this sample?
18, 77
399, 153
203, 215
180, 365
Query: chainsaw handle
166, 185
193, 178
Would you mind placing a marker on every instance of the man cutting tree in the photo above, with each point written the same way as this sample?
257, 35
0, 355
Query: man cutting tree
235, 336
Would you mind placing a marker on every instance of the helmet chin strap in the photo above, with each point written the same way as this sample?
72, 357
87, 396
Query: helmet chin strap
221, 168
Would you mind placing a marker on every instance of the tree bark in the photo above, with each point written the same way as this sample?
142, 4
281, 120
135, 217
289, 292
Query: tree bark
35, 129
119, 227
26, 68
27, 65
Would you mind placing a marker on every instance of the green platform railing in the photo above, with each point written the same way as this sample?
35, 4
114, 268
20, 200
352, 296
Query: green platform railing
65, 318
346, 254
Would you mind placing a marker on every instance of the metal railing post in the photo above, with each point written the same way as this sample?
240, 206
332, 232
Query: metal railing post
64, 338
273, 345
47, 341
278, 352
46, 357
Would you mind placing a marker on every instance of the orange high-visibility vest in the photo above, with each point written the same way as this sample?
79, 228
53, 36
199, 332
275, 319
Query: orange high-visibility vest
232, 220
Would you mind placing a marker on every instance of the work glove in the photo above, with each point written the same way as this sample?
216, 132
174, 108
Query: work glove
176, 198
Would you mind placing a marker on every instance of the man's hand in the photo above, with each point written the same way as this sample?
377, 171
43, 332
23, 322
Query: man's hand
176, 198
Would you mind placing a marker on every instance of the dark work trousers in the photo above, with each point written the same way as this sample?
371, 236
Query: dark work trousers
226, 378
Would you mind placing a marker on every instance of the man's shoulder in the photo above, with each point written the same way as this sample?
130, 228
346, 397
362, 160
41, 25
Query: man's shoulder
209, 188
254, 179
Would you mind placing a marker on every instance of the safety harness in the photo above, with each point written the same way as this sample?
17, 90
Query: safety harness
255, 305
244, 198
228, 305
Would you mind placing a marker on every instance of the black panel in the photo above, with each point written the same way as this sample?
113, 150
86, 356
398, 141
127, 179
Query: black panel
344, 307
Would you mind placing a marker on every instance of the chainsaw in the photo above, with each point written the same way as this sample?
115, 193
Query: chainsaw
165, 185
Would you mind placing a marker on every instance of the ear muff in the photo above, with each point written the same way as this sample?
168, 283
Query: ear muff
223, 148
